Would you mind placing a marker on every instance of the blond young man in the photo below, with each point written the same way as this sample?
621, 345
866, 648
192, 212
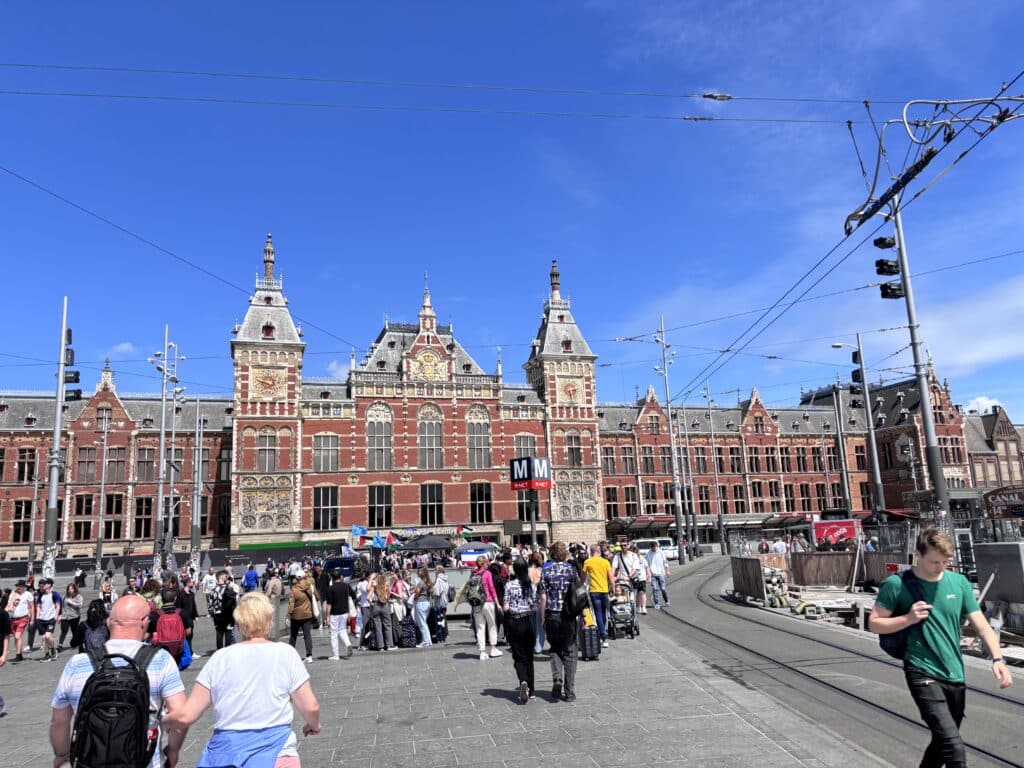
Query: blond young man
933, 665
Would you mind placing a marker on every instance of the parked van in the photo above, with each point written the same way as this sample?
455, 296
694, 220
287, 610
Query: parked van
667, 545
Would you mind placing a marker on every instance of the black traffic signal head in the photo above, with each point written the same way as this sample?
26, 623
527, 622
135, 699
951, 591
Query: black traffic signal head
856, 376
69, 356
885, 243
71, 377
72, 394
887, 267
891, 290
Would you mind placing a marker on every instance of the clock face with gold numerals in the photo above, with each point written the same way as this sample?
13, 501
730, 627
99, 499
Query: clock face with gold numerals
570, 390
268, 382
427, 366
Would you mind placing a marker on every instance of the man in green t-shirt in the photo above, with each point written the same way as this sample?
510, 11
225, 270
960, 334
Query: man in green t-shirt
932, 665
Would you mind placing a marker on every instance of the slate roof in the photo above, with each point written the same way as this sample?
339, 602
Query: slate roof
977, 437
810, 419
557, 326
40, 405
510, 395
889, 401
312, 389
396, 338
268, 305
138, 408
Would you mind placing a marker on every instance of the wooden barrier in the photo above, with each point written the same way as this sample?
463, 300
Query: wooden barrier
835, 569
748, 577
778, 560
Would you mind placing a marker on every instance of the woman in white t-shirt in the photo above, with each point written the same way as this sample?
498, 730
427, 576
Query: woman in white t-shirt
252, 713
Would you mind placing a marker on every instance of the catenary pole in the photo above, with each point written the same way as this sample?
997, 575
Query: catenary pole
50, 532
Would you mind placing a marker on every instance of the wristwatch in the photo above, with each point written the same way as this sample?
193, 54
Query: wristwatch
1000, 660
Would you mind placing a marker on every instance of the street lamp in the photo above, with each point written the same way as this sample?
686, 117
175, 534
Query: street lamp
103, 498
677, 501
876, 472
714, 465
173, 503
167, 365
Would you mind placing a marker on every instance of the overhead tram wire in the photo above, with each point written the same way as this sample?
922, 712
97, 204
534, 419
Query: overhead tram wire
329, 105
716, 366
459, 86
156, 246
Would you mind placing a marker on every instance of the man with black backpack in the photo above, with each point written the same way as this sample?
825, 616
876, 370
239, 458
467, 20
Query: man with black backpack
114, 698
918, 615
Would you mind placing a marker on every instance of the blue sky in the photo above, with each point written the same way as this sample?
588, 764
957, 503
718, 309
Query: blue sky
646, 216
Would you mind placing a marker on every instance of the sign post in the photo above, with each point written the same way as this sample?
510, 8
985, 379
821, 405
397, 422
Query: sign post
530, 473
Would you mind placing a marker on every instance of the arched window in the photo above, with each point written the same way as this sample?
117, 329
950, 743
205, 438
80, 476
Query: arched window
478, 437
429, 436
378, 437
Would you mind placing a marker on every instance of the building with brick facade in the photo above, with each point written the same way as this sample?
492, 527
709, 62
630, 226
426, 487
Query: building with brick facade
418, 437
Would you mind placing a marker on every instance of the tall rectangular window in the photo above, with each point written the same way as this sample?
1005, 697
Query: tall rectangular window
757, 495
704, 499
801, 459
665, 455
771, 459
83, 505
647, 459
325, 453
865, 495
204, 515
754, 458
837, 495
523, 505
653, 424
113, 515
628, 460
650, 498
224, 464
116, 461
481, 509
378, 445
428, 437
573, 450
611, 502
27, 464
736, 460
738, 499
479, 444
719, 459
145, 465
787, 463
821, 492
701, 459
817, 459
668, 491
630, 497
774, 496
526, 445
723, 499
759, 425
86, 470
833, 458
790, 497
860, 457
224, 514
204, 465
431, 504
608, 460
805, 497
266, 452
143, 518
325, 508
21, 525
378, 506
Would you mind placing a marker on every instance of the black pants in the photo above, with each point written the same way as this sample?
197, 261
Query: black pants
68, 625
941, 705
561, 633
522, 634
225, 630
307, 635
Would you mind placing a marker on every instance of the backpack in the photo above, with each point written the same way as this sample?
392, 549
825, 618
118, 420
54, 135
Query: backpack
111, 727
95, 614
895, 643
475, 591
170, 633
577, 598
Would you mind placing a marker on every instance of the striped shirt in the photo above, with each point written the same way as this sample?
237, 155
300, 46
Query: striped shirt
164, 681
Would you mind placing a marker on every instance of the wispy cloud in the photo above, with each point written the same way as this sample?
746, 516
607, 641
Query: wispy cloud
337, 369
121, 350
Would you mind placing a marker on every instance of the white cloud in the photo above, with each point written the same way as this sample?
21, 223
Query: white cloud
337, 369
120, 350
983, 404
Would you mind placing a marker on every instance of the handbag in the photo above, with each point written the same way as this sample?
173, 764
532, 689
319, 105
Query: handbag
315, 602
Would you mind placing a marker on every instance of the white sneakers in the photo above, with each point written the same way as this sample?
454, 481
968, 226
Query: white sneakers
309, 659
334, 658
483, 656
604, 643
495, 653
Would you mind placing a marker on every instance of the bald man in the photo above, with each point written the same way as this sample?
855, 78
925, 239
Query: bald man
128, 622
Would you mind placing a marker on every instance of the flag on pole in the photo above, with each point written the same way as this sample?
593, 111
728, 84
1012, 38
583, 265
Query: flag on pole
358, 530
378, 542
391, 542
362, 541
460, 529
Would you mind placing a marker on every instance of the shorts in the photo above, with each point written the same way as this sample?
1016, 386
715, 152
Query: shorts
45, 626
18, 625
639, 584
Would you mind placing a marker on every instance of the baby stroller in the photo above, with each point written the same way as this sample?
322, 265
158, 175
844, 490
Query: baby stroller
622, 612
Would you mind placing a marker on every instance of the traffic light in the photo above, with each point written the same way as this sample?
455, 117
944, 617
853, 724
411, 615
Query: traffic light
855, 374
70, 377
887, 267
855, 357
891, 291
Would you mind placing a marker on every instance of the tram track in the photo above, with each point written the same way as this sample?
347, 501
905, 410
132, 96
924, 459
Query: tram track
715, 569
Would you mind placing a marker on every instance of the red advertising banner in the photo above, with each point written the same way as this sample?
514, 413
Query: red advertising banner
836, 530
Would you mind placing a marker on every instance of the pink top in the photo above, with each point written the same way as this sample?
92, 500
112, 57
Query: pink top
490, 593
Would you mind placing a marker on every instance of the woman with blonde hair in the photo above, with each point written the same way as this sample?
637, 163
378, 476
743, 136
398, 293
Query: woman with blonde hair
421, 606
380, 612
252, 713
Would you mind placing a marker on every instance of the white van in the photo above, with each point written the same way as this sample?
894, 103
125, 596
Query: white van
667, 545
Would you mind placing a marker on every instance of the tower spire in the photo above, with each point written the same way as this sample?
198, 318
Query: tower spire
268, 258
556, 281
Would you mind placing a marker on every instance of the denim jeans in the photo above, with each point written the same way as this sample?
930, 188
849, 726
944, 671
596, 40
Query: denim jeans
422, 608
599, 601
658, 583
539, 631
561, 633
941, 705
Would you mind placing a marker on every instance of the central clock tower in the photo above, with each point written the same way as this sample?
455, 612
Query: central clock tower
561, 369
267, 353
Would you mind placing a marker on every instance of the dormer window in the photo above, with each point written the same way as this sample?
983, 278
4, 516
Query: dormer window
695, 423
268, 300
229, 410
268, 331
325, 395
147, 421
206, 422
795, 425
561, 318
520, 398
177, 409
3, 407
391, 344
467, 367
567, 345
775, 417
450, 347
807, 416
381, 364
30, 419
826, 426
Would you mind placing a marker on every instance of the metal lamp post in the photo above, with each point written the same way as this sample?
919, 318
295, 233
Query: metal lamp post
172, 506
714, 465
663, 372
103, 501
168, 368
197, 492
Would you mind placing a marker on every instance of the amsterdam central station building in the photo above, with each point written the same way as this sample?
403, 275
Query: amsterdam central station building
418, 437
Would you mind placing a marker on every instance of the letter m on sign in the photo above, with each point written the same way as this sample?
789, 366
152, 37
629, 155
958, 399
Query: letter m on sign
529, 473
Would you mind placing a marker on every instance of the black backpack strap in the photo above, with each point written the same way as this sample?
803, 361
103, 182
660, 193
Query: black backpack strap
144, 656
94, 658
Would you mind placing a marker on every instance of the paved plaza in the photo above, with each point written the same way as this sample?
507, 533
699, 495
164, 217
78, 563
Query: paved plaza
648, 700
